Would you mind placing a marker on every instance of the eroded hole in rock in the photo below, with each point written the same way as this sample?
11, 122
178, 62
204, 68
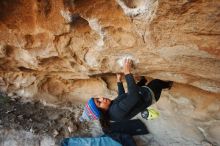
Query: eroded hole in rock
25, 69
29, 40
9, 50
49, 60
133, 3
77, 22
68, 3
7, 7
44, 7
139, 7
80, 2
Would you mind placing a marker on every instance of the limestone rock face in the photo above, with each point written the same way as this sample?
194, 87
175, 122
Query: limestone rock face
69, 50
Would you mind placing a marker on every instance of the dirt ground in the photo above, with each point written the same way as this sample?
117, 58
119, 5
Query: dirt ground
40, 119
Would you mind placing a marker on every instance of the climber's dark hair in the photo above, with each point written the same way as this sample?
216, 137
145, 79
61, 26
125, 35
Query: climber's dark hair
104, 121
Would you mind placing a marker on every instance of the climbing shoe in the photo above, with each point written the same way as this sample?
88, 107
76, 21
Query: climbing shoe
150, 114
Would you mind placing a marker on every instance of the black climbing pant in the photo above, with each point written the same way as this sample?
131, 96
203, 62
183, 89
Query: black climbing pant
156, 86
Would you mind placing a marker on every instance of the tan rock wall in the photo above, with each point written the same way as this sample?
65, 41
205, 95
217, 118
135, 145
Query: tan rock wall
175, 40
62, 51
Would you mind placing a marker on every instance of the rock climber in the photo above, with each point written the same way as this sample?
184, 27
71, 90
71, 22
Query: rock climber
138, 98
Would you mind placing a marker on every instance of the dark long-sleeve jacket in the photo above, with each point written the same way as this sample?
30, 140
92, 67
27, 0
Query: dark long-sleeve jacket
127, 105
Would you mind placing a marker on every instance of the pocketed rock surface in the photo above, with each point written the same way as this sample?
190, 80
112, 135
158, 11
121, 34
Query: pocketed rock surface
65, 51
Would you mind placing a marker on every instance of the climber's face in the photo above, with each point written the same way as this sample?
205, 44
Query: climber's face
102, 102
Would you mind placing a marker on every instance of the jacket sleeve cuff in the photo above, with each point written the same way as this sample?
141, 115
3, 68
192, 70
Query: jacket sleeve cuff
129, 76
